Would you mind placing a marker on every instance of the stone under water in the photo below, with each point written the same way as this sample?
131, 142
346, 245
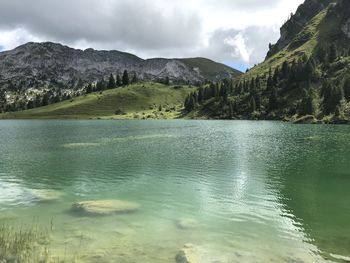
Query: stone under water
44, 195
188, 254
186, 223
105, 207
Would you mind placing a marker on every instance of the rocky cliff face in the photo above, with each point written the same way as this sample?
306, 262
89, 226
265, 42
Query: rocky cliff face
297, 22
37, 65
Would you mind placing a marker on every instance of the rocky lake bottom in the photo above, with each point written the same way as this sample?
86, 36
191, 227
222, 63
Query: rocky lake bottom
175, 191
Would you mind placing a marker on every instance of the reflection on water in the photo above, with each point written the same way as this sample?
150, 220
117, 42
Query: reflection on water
238, 191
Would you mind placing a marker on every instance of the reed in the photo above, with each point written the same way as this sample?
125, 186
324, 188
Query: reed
24, 244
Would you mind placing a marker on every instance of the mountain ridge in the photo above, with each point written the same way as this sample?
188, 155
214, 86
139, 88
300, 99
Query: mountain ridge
48, 63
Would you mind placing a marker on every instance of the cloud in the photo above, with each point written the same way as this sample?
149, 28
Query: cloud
232, 31
246, 46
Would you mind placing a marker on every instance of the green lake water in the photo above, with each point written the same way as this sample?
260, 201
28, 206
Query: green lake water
253, 191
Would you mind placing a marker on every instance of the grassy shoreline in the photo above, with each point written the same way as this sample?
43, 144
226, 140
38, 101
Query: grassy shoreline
138, 101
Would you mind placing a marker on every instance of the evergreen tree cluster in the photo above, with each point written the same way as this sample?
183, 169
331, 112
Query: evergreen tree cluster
297, 87
112, 82
219, 90
54, 95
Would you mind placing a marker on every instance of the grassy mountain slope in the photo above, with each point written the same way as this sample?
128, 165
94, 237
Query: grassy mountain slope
209, 68
304, 44
135, 101
308, 78
322, 30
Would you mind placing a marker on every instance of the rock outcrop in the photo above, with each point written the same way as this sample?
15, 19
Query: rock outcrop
51, 65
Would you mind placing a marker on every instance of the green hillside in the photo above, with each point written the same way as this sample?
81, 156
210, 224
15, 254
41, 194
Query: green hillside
210, 68
307, 80
140, 101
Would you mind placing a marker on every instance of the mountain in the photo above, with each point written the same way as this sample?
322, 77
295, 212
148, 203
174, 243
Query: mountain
305, 12
304, 78
40, 65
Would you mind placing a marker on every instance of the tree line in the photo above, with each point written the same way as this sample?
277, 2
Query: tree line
298, 87
22, 101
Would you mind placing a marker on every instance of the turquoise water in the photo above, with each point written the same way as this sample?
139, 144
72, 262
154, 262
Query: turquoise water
252, 191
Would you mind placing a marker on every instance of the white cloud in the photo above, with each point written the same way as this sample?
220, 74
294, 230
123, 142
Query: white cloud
231, 31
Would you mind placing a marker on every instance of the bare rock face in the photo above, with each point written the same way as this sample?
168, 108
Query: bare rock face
104, 207
51, 65
188, 254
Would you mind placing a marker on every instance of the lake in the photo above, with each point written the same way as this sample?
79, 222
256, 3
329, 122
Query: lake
239, 191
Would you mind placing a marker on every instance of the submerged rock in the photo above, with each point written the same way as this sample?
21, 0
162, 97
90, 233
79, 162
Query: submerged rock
104, 207
186, 223
188, 254
46, 195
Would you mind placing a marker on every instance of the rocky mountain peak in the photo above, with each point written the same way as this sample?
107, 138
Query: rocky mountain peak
297, 22
44, 65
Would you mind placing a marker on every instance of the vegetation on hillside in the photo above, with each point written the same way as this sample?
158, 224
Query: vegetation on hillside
134, 101
309, 77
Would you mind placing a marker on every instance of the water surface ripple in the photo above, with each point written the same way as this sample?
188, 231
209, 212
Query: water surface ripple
252, 191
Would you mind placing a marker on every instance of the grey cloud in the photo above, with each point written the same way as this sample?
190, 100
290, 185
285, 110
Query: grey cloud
137, 26
243, 4
127, 23
255, 38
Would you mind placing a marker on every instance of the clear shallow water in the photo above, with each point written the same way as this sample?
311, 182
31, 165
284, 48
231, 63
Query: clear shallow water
257, 191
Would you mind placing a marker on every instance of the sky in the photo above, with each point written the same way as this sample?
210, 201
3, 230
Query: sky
234, 32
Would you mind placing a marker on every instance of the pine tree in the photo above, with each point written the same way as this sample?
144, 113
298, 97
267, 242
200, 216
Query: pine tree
125, 79
111, 82
119, 81
269, 82
167, 80
231, 110
200, 95
273, 100
252, 104
346, 88
101, 85
332, 53
276, 76
285, 70
212, 90
309, 70
134, 79
308, 105
332, 97
190, 102
321, 54
89, 88
45, 100
338, 112
257, 98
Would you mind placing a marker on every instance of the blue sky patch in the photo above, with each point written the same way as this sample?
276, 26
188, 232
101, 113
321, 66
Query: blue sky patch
240, 66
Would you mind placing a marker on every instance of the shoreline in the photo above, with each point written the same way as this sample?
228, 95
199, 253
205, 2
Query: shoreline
301, 120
